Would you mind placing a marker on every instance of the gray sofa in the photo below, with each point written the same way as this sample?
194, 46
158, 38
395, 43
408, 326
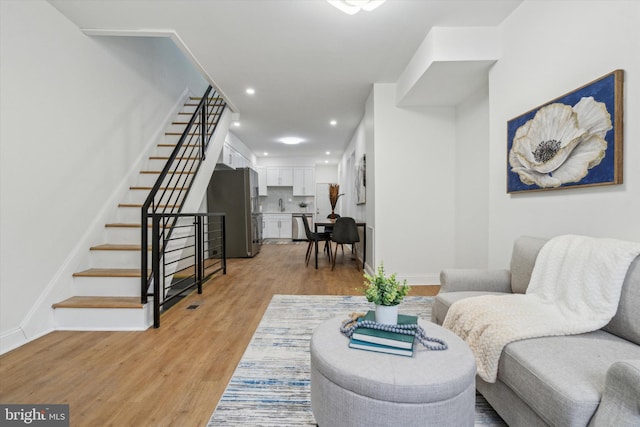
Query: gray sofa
589, 379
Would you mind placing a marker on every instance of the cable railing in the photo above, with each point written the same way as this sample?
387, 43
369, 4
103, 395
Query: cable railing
184, 255
173, 183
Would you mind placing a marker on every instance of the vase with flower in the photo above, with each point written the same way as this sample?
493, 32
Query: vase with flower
334, 195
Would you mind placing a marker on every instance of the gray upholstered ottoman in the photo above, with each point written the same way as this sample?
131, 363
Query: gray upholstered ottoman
352, 387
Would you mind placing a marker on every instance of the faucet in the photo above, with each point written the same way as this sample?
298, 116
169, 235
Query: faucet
281, 205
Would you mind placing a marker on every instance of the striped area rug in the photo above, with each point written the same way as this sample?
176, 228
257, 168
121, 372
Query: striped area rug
270, 386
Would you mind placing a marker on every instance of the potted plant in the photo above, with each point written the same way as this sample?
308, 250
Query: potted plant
386, 293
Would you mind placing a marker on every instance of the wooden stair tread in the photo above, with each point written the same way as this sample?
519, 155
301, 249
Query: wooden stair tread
187, 113
116, 247
174, 144
198, 98
161, 188
180, 133
177, 158
170, 172
209, 104
127, 225
100, 302
108, 272
139, 205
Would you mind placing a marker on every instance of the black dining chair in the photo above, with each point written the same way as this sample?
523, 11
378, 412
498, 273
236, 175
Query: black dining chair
313, 239
345, 232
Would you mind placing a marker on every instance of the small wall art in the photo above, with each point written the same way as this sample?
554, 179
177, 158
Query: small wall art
574, 140
361, 181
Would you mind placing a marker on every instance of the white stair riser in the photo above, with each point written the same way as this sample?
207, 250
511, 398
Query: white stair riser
136, 196
130, 235
124, 235
164, 196
179, 128
149, 179
162, 151
122, 259
129, 215
166, 151
115, 259
187, 162
108, 286
104, 319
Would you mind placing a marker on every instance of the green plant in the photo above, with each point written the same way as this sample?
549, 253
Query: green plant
383, 290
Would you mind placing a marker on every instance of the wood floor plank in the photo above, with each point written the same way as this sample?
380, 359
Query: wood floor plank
174, 375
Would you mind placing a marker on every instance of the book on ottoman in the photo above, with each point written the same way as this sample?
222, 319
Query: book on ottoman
362, 345
386, 338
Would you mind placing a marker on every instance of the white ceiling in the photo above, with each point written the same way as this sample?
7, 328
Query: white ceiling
308, 61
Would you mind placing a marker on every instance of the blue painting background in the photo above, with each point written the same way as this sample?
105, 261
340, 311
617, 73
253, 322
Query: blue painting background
602, 90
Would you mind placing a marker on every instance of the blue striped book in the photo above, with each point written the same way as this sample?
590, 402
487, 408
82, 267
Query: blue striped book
362, 345
386, 338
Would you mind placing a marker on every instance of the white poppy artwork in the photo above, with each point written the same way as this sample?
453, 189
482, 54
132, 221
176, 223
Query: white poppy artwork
574, 140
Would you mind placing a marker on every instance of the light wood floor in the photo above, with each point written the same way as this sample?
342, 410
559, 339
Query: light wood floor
174, 375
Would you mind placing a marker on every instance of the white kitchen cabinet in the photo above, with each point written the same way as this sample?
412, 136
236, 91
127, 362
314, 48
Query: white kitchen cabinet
277, 226
262, 181
280, 177
304, 182
230, 157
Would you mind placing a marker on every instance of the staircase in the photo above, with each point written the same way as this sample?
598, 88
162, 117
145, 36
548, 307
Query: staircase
108, 294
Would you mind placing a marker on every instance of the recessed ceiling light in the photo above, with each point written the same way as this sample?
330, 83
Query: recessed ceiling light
291, 140
351, 7
326, 161
333, 122
265, 154
250, 91
328, 152
236, 124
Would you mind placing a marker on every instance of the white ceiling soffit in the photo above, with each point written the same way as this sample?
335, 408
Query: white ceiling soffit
175, 38
449, 65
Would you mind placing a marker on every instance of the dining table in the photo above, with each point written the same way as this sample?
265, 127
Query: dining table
330, 223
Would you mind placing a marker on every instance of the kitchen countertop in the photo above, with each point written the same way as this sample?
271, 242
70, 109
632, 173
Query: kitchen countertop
287, 212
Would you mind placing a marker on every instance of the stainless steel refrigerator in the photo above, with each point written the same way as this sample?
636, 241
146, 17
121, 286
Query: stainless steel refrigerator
235, 192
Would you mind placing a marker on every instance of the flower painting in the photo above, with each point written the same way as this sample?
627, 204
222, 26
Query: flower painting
575, 140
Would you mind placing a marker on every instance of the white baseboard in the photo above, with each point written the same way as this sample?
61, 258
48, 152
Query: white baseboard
426, 279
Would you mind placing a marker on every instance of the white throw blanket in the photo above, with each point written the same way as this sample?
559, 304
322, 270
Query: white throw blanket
575, 288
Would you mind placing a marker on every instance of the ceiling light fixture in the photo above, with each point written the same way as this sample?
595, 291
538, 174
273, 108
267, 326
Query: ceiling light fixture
351, 7
250, 91
333, 122
291, 140
236, 124
328, 152
265, 154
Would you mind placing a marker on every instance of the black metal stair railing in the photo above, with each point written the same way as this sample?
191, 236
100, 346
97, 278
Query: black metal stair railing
173, 184
185, 255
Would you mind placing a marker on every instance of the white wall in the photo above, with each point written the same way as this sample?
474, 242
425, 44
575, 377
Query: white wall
76, 114
241, 147
549, 49
471, 181
326, 173
414, 187
351, 157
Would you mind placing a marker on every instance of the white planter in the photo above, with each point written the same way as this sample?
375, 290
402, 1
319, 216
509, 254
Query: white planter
387, 314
